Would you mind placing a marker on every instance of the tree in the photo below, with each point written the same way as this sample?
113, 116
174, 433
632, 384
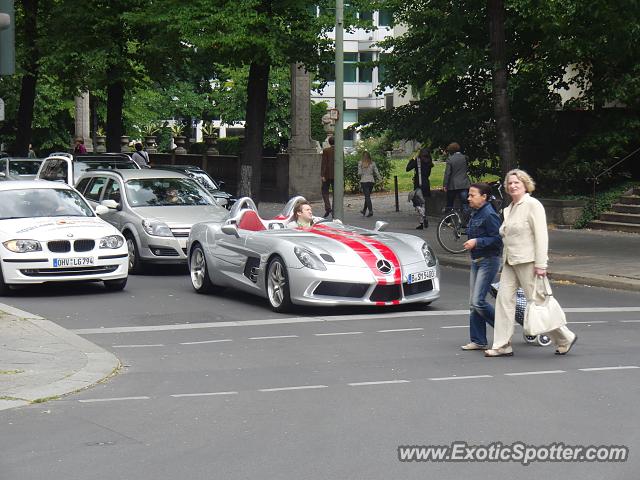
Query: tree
258, 35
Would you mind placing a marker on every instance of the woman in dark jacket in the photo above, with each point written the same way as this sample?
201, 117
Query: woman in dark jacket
421, 181
485, 245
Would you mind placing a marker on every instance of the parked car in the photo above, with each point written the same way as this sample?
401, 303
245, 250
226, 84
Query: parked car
68, 168
328, 264
214, 187
154, 210
15, 168
49, 233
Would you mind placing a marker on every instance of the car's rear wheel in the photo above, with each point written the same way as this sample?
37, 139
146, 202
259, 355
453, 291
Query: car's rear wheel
115, 285
278, 285
199, 271
135, 262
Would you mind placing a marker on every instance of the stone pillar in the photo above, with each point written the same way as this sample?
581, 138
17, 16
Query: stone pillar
304, 158
83, 128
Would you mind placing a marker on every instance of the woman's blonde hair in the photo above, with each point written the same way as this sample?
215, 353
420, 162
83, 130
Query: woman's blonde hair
366, 159
523, 176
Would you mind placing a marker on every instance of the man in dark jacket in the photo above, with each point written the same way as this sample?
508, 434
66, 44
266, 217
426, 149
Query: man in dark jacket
456, 180
326, 174
485, 245
421, 181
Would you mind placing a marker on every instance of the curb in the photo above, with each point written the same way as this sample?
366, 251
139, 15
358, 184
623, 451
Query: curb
96, 364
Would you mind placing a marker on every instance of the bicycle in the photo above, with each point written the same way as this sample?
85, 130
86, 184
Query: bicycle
452, 227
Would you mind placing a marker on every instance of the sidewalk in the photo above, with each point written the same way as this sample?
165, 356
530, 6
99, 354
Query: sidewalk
40, 360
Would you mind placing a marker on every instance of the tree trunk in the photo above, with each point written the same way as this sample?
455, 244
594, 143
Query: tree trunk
115, 101
24, 121
250, 175
504, 123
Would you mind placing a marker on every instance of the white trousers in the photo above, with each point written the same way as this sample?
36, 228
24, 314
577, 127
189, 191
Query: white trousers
512, 277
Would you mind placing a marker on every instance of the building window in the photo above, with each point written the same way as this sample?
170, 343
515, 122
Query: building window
350, 67
385, 18
382, 68
366, 16
350, 116
365, 72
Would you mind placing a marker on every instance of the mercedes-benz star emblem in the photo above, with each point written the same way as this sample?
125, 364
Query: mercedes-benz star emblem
384, 266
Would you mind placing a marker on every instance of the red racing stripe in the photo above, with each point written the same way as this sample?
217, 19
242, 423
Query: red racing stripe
384, 250
361, 249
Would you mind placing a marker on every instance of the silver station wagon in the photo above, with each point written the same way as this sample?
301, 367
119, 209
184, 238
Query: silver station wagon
153, 209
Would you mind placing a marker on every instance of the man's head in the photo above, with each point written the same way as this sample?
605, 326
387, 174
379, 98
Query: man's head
138, 147
303, 213
453, 148
331, 140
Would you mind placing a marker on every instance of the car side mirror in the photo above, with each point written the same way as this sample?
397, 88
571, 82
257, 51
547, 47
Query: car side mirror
110, 204
101, 210
380, 226
230, 230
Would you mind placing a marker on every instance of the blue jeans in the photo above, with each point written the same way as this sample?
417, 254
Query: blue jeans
482, 312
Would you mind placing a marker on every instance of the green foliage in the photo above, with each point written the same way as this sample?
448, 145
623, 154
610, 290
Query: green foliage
229, 145
317, 129
603, 201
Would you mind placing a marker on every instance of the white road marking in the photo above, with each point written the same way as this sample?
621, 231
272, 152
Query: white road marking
301, 387
595, 321
207, 341
400, 330
336, 333
468, 377
115, 399
328, 318
138, 346
630, 321
381, 382
622, 367
274, 336
539, 372
208, 394
456, 326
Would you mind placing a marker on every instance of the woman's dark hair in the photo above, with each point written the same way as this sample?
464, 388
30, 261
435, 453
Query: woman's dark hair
425, 153
483, 188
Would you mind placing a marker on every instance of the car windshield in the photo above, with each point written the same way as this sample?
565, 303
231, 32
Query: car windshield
24, 167
203, 179
42, 202
153, 192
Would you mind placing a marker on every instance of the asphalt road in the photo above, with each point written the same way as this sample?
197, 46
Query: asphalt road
320, 394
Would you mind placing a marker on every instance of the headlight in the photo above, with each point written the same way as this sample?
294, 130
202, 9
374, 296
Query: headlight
309, 259
23, 246
158, 229
429, 256
112, 241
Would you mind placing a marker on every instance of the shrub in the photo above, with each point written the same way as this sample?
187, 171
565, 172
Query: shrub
603, 202
229, 145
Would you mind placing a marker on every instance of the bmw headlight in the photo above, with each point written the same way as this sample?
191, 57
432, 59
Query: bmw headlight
23, 246
111, 241
309, 259
158, 229
428, 255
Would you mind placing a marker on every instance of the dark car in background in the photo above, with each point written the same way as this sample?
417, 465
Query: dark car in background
214, 187
16, 168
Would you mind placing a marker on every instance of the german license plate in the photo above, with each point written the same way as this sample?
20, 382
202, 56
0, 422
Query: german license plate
74, 262
421, 276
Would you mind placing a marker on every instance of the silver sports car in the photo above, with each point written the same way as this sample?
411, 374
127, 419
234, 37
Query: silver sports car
327, 264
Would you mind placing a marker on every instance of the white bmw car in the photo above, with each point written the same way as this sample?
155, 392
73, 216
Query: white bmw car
49, 233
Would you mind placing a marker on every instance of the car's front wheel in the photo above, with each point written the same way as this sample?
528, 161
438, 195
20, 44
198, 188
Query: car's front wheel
115, 285
278, 285
199, 271
135, 262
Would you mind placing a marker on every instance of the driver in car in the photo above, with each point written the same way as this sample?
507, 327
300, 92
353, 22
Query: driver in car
302, 216
172, 196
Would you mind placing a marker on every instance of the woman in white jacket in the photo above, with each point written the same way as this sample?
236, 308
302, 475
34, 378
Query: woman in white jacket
368, 173
525, 255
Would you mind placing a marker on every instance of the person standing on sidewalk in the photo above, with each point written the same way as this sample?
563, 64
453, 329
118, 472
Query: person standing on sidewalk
140, 156
368, 173
326, 174
485, 246
422, 165
456, 179
526, 244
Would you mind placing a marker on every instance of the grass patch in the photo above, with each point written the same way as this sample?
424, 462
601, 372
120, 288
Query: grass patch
405, 179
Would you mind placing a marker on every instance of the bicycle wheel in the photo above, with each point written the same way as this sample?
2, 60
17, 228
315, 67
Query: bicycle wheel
450, 234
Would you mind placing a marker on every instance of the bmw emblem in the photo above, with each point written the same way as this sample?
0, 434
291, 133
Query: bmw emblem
69, 235
384, 266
